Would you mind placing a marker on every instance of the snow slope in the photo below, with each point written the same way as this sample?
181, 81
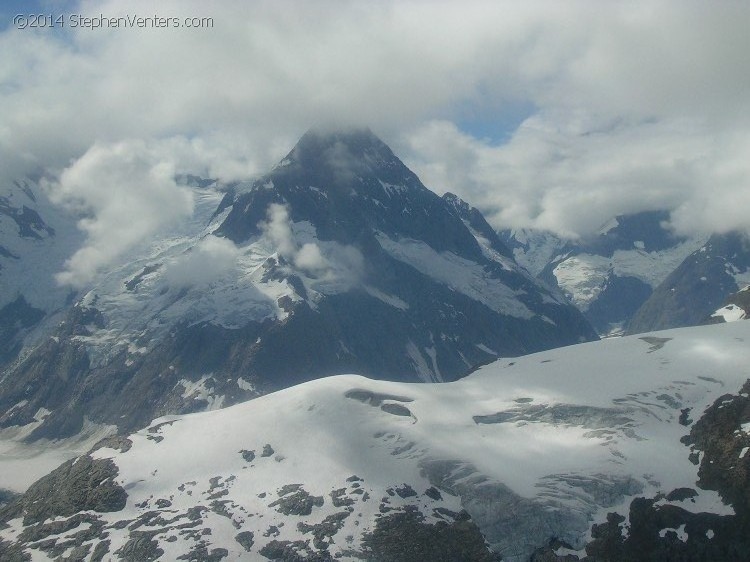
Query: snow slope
730, 313
532, 448
534, 249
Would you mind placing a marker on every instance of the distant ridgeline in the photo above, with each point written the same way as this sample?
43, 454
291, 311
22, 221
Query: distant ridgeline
635, 275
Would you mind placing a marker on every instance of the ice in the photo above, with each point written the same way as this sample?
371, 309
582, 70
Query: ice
459, 274
539, 249
390, 300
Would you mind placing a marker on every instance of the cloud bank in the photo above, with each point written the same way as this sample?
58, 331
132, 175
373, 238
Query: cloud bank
571, 181
601, 108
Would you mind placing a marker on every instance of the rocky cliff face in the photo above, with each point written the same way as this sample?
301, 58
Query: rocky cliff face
338, 260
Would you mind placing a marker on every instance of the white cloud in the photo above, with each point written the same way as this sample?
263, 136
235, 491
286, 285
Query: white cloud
309, 258
634, 105
211, 258
279, 231
326, 261
126, 194
568, 180
721, 194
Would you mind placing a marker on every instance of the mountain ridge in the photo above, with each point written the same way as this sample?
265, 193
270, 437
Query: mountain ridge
351, 468
699, 285
338, 260
611, 273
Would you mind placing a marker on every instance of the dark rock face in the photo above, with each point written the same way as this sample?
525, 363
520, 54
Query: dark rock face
77, 485
6, 497
31, 251
396, 322
647, 227
697, 287
405, 537
347, 170
472, 218
293, 551
667, 532
13, 552
619, 300
28, 221
16, 318
141, 546
294, 500
58, 376
56, 513
46, 378
724, 467
353, 189
246, 539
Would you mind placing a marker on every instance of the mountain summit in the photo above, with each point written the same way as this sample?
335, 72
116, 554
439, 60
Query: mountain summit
337, 261
349, 184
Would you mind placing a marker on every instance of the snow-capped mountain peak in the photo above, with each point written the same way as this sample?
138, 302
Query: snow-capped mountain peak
337, 260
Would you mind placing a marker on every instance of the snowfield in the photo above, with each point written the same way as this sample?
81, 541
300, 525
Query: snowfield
532, 448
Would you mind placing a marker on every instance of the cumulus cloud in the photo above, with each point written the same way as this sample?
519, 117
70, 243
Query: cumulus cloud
570, 181
126, 196
279, 231
309, 258
625, 106
210, 259
327, 261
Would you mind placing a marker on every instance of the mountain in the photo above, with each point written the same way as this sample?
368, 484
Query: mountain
609, 275
699, 286
626, 449
338, 260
